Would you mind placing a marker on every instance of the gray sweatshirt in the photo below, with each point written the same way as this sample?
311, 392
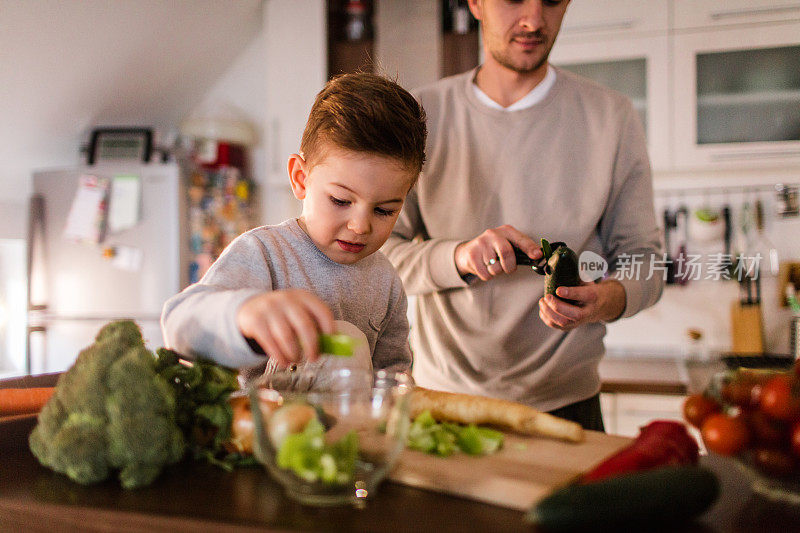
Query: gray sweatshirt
570, 168
201, 320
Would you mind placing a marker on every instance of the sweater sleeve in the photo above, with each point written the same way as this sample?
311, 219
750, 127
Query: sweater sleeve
425, 265
200, 321
392, 351
628, 230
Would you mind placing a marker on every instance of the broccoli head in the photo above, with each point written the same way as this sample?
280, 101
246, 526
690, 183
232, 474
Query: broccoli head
110, 411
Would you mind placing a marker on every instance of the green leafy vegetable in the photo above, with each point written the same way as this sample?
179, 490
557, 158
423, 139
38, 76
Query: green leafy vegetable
444, 439
202, 412
311, 459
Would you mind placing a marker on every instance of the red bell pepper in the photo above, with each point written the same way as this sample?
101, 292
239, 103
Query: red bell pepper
660, 443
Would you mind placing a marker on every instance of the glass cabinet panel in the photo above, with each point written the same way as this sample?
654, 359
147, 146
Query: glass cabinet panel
627, 76
748, 95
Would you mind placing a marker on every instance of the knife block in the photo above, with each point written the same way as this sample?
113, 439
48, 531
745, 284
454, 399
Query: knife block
746, 329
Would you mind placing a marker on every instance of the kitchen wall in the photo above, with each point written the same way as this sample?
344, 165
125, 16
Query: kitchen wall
71, 65
706, 305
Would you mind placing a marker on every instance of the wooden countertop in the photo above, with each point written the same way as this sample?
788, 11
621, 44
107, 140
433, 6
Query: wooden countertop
195, 496
651, 375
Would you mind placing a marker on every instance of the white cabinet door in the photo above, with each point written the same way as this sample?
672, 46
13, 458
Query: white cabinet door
692, 14
590, 19
297, 52
737, 97
634, 411
637, 67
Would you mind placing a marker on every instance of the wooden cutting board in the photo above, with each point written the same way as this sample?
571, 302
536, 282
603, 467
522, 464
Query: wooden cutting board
524, 471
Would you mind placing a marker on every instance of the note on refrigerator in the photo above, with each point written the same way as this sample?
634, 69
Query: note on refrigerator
127, 258
87, 216
125, 203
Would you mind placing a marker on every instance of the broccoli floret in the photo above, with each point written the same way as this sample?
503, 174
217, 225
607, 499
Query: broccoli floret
141, 425
125, 332
81, 445
110, 411
50, 421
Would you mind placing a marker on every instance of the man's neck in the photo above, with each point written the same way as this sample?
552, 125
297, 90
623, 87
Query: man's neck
506, 86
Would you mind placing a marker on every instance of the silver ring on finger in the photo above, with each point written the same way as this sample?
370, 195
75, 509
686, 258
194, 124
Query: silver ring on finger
491, 261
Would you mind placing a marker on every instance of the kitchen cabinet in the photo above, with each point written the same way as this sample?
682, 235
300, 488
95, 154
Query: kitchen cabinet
625, 413
705, 14
350, 36
638, 67
416, 53
737, 96
717, 85
613, 18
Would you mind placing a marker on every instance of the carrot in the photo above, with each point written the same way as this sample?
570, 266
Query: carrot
24, 401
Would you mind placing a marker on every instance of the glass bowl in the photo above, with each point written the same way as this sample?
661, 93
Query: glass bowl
785, 489
778, 489
331, 439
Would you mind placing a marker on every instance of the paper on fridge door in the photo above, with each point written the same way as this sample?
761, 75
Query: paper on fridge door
127, 258
124, 203
87, 216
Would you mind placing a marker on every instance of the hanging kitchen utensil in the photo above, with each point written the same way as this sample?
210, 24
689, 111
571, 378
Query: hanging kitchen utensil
788, 198
705, 225
727, 262
682, 273
766, 243
669, 225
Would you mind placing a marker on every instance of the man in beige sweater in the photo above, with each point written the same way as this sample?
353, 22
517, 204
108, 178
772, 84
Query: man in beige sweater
520, 150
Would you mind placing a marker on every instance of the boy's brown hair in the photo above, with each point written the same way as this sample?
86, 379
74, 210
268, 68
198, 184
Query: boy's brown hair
365, 112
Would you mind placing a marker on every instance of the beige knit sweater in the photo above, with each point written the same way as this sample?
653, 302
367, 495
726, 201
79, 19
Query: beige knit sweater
571, 168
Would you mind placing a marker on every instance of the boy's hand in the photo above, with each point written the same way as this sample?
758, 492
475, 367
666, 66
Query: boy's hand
286, 324
491, 253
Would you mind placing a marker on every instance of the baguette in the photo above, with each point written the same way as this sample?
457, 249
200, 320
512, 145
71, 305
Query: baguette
470, 409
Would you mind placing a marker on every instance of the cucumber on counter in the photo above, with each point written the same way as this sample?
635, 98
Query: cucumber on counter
633, 502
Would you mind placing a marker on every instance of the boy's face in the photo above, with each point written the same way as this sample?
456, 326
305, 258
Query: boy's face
351, 201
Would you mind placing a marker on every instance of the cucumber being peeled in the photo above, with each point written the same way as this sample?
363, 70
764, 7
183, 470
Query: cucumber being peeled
561, 270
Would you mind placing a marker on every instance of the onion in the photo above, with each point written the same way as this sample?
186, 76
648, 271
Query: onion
289, 419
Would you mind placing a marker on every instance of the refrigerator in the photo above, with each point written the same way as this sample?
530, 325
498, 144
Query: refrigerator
127, 270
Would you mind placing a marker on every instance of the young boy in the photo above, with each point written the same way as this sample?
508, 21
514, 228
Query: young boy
276, 288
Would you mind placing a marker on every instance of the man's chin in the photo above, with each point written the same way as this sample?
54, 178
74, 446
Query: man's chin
522, 66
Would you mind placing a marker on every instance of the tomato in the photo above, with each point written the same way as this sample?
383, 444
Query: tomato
795, 439
725, 435
744, 391
697, 407
774, 462
780, 398
765, 430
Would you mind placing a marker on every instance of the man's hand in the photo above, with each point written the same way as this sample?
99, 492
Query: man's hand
597, 302
286, 324
491, 253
